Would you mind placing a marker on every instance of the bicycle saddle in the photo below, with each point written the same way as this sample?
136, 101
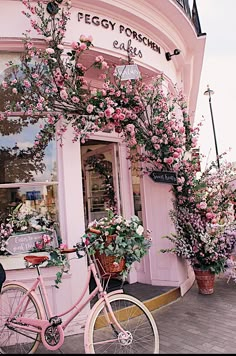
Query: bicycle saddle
36, 260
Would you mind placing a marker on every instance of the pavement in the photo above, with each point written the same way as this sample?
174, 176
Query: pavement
192, 324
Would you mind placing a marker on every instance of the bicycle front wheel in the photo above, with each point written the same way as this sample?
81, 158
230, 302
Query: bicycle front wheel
139, 336
15, 340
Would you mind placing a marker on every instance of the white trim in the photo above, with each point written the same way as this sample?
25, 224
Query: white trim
30, 184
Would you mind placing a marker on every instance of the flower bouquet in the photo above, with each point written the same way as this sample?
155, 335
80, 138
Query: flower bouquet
123, 239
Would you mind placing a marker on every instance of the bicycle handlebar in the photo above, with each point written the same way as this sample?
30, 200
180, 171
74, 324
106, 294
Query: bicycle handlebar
79, 246
95, 231
68, 250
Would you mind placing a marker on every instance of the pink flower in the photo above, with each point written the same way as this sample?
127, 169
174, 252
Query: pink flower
83, 38
90, 108
27, 83
105, 65
203, 205
209, 216
169, 160
63, 94
50, 50
99, 59
46, 238
74, 45
39, 245
82, 47
108, 112
176, 154
4, 84
75, 99
90, 38
62, 246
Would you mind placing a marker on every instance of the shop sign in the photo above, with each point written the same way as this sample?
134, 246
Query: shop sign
120, 29
126, 72
23, 243
33, 195
164, 177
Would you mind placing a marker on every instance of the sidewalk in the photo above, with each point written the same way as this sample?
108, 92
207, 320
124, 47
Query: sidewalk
192, 324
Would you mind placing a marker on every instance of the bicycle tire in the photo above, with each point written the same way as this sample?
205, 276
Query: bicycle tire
134, 317
17, 341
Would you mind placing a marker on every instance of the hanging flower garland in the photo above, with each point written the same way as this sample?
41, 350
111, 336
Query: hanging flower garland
51, 83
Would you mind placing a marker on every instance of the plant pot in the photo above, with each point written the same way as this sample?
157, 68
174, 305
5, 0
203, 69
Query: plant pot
205, 281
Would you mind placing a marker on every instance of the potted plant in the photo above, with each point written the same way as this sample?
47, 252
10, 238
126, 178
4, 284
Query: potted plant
123, 241
203, 217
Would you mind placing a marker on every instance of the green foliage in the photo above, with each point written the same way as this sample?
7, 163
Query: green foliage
58, 259
129, 239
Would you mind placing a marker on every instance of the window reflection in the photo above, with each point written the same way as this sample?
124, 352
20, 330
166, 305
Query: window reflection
18, 162
28, 177
40, 198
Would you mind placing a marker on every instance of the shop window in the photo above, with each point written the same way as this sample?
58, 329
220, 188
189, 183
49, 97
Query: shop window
28, 180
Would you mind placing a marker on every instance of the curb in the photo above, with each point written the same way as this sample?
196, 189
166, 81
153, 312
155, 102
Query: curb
163, 299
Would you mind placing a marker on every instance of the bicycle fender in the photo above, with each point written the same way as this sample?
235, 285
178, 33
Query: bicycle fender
118, 291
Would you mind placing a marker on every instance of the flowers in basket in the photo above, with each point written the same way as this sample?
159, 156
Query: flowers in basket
125, 240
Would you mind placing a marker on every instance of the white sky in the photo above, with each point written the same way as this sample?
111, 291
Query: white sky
217, 18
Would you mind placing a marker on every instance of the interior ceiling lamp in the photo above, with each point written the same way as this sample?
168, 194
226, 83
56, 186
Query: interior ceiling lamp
168, 55
52, 7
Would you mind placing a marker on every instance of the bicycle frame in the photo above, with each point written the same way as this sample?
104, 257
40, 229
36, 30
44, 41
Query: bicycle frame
48, 319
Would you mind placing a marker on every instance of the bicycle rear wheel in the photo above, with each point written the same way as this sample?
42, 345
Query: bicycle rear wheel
103, 336
14, 340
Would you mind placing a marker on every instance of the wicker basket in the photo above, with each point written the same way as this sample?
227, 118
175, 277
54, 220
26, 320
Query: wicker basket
106, 263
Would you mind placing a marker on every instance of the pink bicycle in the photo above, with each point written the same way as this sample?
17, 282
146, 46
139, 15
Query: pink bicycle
117, 322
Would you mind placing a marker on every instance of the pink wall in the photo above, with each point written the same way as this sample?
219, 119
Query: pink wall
165, 24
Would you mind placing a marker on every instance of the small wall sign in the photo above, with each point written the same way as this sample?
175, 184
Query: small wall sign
126, 72
23, 243
164, 177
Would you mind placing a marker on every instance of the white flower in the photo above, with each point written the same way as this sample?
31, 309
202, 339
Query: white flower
50, 50
140, 230
118, 220
93, 223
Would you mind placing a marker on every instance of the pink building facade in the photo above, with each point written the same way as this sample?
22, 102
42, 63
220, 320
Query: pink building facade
149, 29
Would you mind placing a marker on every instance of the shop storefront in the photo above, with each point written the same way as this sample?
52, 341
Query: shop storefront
67, 183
